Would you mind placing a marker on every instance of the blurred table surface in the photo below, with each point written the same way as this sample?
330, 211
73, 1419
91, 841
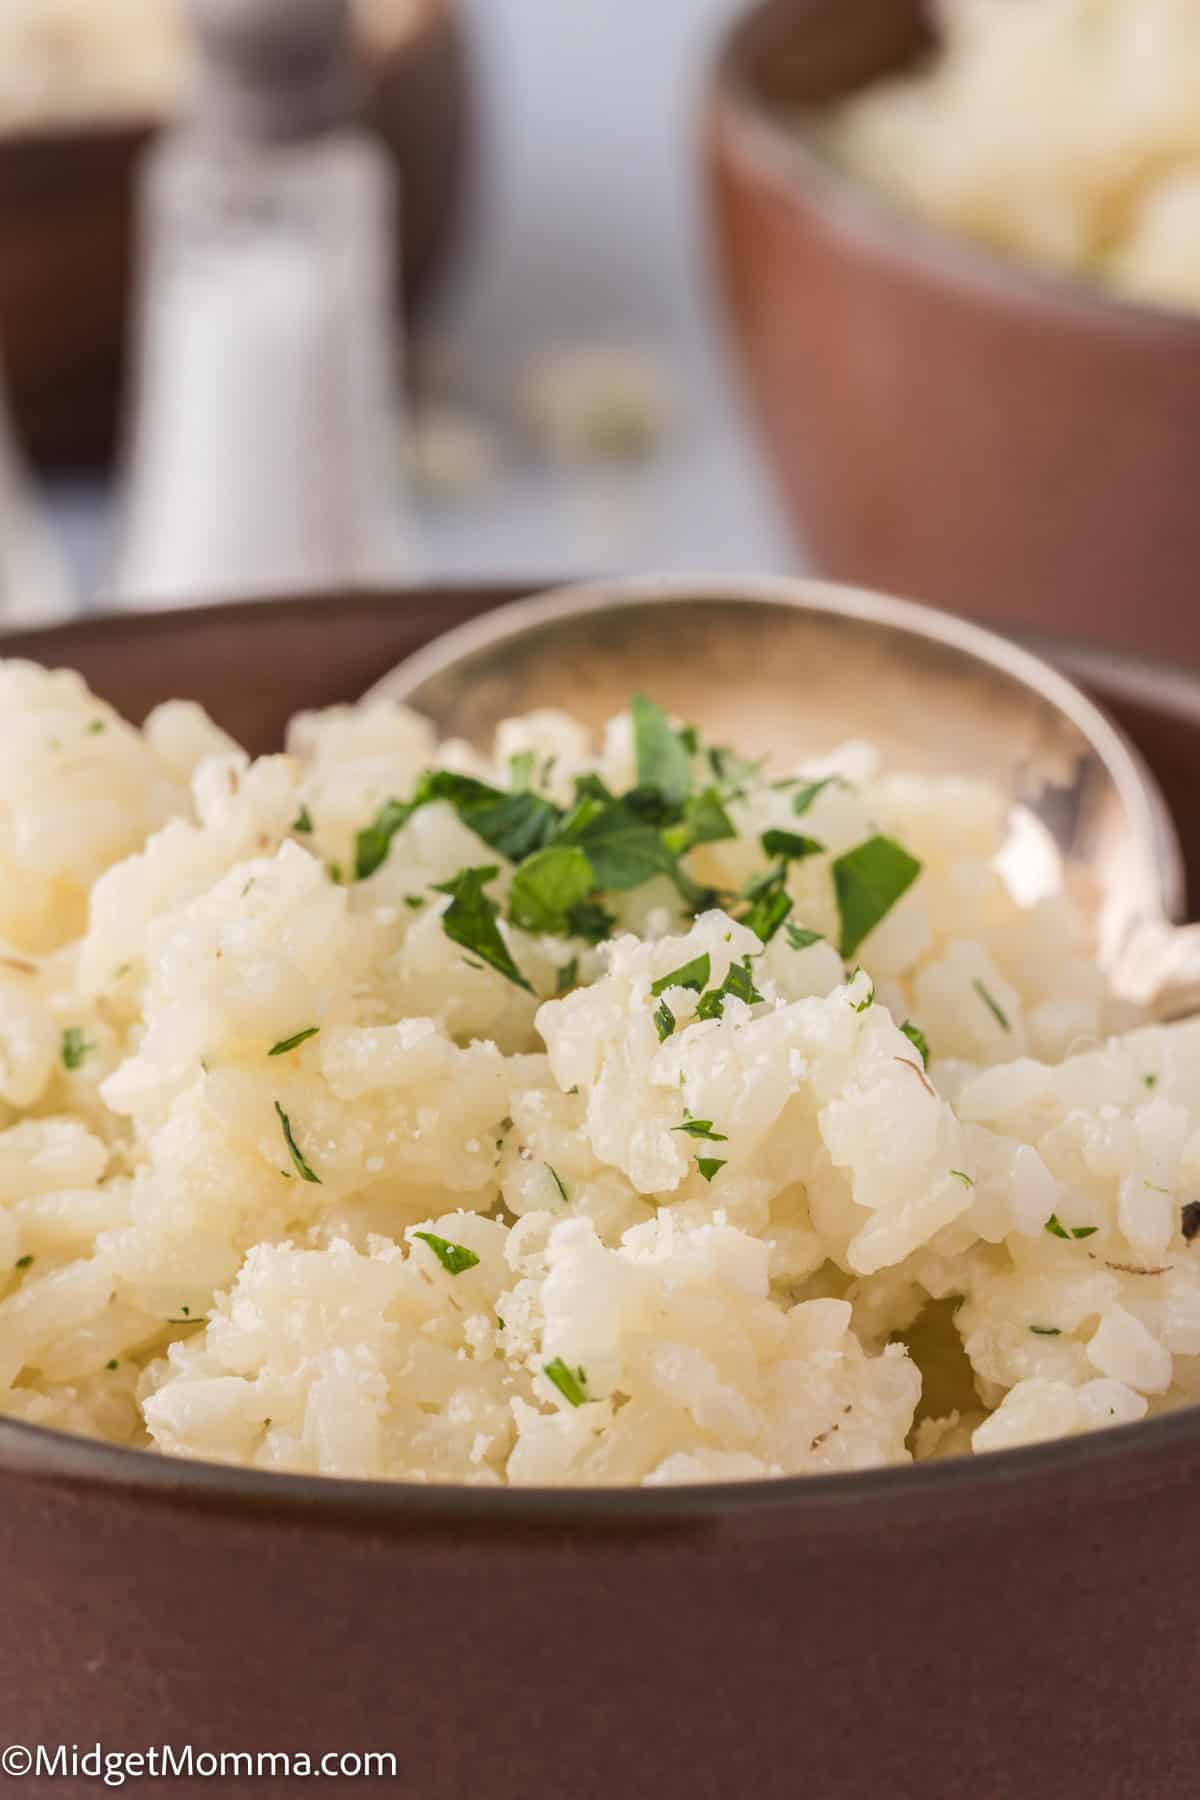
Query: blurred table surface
587, 226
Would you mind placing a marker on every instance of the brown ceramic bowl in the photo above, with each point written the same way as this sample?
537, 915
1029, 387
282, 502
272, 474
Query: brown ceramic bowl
945, 423
67, 226
1020, 1627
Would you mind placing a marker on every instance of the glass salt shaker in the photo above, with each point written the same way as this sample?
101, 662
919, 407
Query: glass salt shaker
267, 420
35, 584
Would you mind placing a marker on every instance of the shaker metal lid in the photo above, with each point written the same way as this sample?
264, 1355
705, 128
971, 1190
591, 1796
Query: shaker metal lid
273, 69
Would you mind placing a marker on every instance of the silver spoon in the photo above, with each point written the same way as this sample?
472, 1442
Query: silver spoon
789, 668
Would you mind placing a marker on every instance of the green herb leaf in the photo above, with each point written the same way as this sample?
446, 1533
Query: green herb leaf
75, 1048
111, 1364
709, 1166
571, 1383
520, 771
293, 1043
662, 759
590, 921
768, 912
803, 798
918, 1040
514, 824
560, 1184
701, 1128
372, 844
961, 1175
302, 1168
1045, 1331
454, 1258
623, 849
414, 902
737, 985
96, 727
1150, 1081
470, 920
23, 1262
693, 975
790, 845
568, 976
302, 823
860, 1006
664, 1021
800, 938
546, 887
1056, 1228
992, 1004
705, 821
733, 771
868, 881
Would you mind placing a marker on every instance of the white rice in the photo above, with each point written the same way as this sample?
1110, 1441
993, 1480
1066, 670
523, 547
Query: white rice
1064, 131
886, 1262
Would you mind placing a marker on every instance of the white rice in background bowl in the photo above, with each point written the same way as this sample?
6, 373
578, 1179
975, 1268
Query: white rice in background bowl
377, 1110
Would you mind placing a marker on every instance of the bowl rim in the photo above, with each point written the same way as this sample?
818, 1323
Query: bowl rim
785, 155
820, 1502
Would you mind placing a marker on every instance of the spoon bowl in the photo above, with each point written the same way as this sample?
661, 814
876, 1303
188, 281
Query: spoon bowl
790, 668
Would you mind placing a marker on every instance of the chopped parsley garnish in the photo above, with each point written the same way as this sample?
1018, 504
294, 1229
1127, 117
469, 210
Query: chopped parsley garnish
803, 798
790, 845
520, 771
23, 1262
547, 886
769, 908
293, 1043
701, 1128
868, 881
302, 1168
1155, 1188
1150, 1081
624, 849
664, 1021
75, 1048
704, 821
302, 823
709, 1166
693, 975
568, 977
860, 1006
737, 985
111, 1364
514, 824
993, 1006
800, 938
96, 727
662, 756
1056, 1228
414, 902
571, 1383
1045, 1331
590, 921
336, 873
918, 1040
559, 1183
961, 1175
1189, 1220
470, 921
454, 1258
